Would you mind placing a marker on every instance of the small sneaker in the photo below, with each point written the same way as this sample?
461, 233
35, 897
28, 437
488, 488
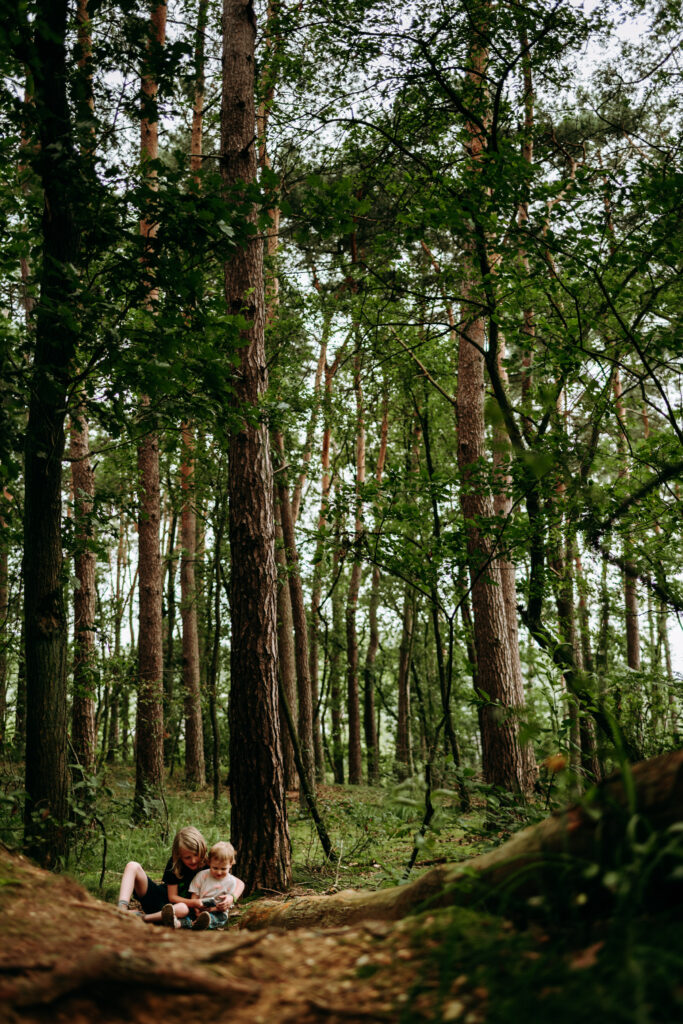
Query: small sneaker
168, 918
202, 922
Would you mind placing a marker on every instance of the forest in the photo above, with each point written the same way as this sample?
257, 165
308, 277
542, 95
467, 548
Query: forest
341, 426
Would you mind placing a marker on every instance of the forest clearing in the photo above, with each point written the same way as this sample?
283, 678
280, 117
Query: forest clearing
341, 449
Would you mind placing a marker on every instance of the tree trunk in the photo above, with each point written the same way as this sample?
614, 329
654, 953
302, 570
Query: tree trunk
285, 659
83, 707
630, 584
319, 562
369, 724
296, 594
352, 692
149, 729
194, 734
257, 793
336, 648
505, 760
404, 743
4, 632
149, 758
169, 649
46, 779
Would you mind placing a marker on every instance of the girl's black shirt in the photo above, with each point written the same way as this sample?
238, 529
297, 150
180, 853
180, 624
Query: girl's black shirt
183, 883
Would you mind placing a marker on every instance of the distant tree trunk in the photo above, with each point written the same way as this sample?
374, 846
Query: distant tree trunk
4, 635
404, 745
630, 584
592, 763
505, 761
352, 694
213, 664
169, 649
369, 723
46, 778
502, 506
194, 734
336, 648
149, 734
83, 706
444, 666
257, 793
319, 565
19, 739
296, 594
195, 774
286, 664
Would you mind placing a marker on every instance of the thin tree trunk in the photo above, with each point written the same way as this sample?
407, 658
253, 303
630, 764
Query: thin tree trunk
83, 738
505, 760
149, 724
296, 594
194, 735
630, 584
336, 643
404, 744
213, 668
352, 692
285, 660
369, 723
4, 634
319, 566
257, 793
169, 651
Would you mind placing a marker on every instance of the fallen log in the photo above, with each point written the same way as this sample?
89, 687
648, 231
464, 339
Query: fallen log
652, 789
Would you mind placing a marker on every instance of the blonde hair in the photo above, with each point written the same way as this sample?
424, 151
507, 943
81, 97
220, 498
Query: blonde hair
224, 853
191, 840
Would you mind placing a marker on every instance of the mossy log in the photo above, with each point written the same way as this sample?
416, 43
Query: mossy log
652, 789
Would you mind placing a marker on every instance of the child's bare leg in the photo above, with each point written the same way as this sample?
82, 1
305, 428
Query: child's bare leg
133, 878
152, 918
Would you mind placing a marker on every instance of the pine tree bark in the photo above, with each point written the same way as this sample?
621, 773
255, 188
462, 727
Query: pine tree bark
319, 562
149, 761
286, 663
369, 722
257, 793
404, 746
195, 773
46, 779
296, 594
630, 585
352, 688
336, 649
4, 633
505, 761
83, 706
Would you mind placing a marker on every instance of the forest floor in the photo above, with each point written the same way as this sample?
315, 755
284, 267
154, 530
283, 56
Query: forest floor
67, 956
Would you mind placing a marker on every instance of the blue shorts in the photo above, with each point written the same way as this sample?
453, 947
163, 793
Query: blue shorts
155, 898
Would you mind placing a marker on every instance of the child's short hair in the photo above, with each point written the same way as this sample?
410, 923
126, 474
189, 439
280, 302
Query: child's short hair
191, 840
224, 853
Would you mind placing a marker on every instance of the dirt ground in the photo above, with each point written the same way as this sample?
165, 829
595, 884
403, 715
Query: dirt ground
66, 957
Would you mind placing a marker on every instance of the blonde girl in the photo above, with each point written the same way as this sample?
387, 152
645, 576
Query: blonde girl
188, 856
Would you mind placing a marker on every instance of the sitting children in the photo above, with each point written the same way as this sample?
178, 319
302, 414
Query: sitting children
215, 884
